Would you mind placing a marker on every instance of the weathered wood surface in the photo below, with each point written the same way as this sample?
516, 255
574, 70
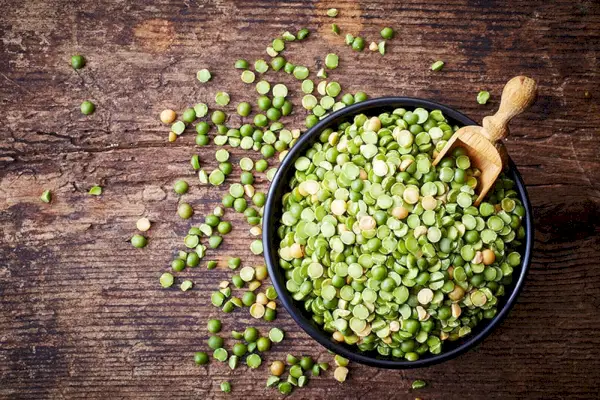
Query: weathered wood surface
81, 311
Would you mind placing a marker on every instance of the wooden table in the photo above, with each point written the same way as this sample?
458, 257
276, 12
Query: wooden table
81, 310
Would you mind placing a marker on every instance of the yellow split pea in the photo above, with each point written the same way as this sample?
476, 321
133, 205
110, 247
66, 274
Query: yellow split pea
143, 224
168, 116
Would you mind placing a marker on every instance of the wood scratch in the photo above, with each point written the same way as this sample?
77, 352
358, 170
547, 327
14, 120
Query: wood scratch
15, 83
583, 171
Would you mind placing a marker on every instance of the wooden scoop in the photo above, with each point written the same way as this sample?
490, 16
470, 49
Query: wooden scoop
484, 144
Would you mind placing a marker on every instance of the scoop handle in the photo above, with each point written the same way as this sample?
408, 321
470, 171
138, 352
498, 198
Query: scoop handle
518, 94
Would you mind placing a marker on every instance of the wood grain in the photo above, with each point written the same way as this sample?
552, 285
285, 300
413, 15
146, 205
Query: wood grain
81, 311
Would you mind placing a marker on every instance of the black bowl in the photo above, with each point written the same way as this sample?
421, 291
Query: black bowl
272, 213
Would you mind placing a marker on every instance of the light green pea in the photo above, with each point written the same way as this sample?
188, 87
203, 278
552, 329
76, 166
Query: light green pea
203, 75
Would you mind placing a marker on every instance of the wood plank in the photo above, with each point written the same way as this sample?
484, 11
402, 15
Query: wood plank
81, 312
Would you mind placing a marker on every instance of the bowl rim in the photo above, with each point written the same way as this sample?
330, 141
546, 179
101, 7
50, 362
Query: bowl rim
270, 236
